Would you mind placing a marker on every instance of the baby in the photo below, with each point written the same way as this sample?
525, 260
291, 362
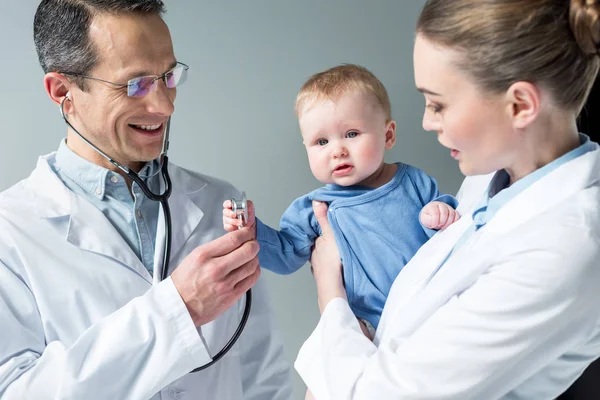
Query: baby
381, 213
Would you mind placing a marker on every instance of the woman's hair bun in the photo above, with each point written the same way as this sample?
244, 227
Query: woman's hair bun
584, 17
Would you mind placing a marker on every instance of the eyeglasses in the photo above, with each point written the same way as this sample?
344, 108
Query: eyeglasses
139, 87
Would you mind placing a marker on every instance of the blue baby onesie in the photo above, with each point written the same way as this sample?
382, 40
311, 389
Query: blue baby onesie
377, 232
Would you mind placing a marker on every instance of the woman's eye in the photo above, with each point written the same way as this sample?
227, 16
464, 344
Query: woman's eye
322, 142
436, 108
351, 134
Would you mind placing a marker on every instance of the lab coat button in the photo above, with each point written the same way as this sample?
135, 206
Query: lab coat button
98, 191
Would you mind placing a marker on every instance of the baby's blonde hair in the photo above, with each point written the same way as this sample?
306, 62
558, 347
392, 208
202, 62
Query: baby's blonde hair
340, 80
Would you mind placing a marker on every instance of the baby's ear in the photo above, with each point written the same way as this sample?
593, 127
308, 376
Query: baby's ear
390, 135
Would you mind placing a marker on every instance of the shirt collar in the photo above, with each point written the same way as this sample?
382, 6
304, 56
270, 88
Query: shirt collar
499, 192
89, 176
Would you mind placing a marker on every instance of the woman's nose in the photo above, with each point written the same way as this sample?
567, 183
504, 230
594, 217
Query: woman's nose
430, 124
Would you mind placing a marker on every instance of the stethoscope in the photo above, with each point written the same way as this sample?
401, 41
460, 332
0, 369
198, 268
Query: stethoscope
239, 207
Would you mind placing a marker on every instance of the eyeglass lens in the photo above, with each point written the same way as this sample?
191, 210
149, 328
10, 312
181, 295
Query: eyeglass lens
141, 86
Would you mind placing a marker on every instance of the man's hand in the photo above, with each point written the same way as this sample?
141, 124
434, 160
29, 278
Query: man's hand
438, 215
215, 275
230, 221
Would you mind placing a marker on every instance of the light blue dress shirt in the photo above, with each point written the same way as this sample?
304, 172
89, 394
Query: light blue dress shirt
133, 215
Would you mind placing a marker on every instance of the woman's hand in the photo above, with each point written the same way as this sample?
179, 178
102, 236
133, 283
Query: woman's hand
325, 261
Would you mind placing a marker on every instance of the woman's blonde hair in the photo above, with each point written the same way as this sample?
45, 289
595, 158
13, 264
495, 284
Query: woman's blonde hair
340, 80
551, 43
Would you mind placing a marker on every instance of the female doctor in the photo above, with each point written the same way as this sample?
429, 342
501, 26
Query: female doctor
504, 303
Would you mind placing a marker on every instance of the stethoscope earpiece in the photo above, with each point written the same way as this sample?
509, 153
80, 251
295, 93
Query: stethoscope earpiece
61, 107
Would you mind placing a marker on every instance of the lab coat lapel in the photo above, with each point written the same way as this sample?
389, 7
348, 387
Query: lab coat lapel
82, 224
185, 217
90, 230
427, 260
416, 274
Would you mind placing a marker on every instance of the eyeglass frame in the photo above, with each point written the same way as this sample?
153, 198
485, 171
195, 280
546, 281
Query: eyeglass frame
130, 82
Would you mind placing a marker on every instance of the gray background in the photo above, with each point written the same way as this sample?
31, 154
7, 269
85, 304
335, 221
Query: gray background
235, 116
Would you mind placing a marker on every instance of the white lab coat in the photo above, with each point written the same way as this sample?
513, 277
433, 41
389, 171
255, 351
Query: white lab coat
81, 318
512, 314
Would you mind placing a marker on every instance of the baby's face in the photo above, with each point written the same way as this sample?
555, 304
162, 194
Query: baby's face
345, 139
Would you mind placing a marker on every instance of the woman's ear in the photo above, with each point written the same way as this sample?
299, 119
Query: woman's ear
524, 103
390, 135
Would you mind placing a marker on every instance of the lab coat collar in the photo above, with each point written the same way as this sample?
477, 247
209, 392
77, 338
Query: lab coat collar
84, 226
545, 194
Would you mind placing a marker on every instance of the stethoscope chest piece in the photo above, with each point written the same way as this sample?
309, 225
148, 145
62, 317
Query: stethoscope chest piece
240, 209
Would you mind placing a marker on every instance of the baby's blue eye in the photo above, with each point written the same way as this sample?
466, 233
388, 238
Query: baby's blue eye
322, 142
351, 134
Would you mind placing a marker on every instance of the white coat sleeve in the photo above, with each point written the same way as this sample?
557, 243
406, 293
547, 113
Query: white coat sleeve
530, 307
265, 371
130, 354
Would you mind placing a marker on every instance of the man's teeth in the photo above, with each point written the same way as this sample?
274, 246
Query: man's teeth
147, 127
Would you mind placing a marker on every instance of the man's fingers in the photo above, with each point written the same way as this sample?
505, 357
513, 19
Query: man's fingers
242, 272
240, 256
245, 284
225, 244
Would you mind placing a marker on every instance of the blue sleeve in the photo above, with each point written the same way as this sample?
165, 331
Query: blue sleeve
427, 190
448, 199
288, 249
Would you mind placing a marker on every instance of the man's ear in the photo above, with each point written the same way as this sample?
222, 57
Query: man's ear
390, 135
524, 101
57, 86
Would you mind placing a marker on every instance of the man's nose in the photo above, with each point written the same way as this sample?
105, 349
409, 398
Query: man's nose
161, 100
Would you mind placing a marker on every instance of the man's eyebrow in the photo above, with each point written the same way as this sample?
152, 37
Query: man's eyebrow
140, 73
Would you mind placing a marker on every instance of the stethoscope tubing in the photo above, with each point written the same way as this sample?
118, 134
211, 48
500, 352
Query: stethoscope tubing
163, 198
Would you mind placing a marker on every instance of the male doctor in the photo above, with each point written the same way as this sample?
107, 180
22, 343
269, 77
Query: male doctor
83, 314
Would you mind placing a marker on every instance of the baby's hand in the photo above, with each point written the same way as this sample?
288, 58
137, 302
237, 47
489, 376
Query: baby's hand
231, 223
438, 215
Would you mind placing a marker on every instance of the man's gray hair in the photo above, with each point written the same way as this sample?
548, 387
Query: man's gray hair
61, 30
